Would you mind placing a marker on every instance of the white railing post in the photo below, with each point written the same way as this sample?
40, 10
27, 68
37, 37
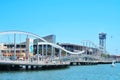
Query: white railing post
14, 46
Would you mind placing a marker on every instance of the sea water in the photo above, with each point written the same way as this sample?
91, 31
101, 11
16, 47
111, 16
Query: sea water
96, 72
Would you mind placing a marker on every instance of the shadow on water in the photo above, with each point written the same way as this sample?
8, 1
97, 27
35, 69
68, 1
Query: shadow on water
34, 70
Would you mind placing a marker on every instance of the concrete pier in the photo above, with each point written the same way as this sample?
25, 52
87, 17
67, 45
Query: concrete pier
76, 63
26, 65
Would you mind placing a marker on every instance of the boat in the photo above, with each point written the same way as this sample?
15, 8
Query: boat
113, 63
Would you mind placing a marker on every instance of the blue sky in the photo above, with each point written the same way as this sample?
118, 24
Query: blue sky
70, 20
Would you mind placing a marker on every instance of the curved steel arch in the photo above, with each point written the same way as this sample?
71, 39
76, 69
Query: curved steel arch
92, 43
22, 32
98, 47
59, 47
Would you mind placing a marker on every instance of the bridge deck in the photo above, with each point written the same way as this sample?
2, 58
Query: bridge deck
36, 63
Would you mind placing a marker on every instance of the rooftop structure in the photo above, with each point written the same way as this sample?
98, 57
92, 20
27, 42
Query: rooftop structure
49, 38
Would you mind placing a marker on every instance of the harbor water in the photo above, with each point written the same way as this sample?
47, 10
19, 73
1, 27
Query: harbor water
96, 72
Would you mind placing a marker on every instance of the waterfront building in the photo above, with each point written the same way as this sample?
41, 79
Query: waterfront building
78, 48
25, 49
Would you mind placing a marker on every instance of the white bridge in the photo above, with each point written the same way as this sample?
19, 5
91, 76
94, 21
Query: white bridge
24, 48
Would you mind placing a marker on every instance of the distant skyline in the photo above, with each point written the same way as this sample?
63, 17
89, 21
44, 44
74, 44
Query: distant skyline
70, 20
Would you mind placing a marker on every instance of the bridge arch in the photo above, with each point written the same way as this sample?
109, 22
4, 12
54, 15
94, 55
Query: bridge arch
14, 47
22, 32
